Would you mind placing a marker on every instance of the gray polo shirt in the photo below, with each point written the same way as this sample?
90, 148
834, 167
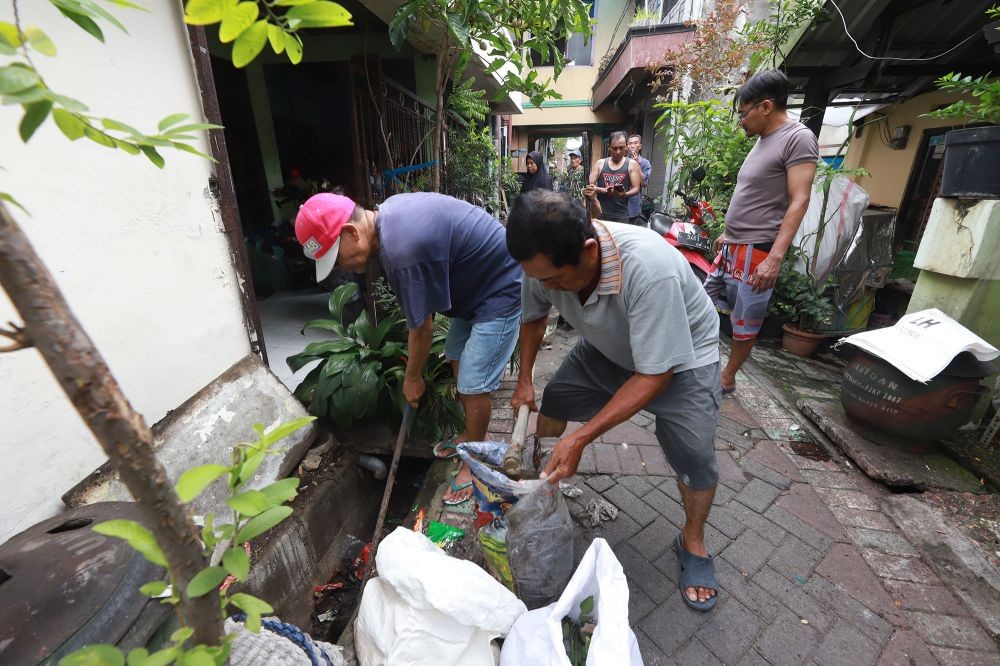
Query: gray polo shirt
648, 314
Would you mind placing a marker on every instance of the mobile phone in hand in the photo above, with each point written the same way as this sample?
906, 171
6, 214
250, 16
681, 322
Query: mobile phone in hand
618, 188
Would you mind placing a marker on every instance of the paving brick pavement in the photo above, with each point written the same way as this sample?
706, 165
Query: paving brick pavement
811, 571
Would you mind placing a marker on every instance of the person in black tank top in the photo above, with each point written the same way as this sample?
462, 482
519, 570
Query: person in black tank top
617, 178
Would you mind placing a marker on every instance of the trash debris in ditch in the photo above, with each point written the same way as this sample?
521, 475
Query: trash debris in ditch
569, 490
524, 526
599, 510
329, 587
327, 616
577, 633
443, 535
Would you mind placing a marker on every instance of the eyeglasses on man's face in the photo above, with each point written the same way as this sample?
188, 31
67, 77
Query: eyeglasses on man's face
741, 115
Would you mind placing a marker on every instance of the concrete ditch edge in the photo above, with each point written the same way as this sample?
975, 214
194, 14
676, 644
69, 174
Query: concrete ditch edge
954, 556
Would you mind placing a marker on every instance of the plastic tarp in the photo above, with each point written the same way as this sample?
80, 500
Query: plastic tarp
922, 344
536, 637
846, 202
429, 608
867, 261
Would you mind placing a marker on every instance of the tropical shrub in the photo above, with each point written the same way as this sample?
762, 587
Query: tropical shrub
361, 374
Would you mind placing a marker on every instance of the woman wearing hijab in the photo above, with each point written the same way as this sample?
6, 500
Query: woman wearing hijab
537, 177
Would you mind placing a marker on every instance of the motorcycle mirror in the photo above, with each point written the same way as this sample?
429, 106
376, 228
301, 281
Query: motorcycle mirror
698, 174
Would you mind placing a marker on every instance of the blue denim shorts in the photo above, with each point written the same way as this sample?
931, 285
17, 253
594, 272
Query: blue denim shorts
483, 351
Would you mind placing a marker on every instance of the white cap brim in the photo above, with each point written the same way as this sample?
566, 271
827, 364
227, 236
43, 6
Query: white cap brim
324, 265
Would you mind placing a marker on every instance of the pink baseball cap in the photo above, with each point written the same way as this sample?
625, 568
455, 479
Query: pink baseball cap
318, 225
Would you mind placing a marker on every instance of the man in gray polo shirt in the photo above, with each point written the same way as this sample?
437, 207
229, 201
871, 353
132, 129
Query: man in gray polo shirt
649, 340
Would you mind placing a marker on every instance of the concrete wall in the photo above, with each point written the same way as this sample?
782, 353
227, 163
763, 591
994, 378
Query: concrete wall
890, 168
139, 252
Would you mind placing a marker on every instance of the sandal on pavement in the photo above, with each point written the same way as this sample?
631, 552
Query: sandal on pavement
446, 449
696, 571
457, 488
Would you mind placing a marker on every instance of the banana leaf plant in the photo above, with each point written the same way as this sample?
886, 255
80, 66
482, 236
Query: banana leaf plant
361, 374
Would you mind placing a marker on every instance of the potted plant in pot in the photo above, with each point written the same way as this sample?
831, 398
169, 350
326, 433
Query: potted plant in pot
804, 301
972, 155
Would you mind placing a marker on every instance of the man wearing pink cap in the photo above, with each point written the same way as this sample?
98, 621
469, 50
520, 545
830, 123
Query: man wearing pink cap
439, 254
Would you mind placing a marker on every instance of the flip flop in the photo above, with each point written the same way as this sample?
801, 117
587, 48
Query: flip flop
442, 448
458, 487
696, 571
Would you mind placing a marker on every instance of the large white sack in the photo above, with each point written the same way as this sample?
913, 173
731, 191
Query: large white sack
846, 203
536, 637
428, 608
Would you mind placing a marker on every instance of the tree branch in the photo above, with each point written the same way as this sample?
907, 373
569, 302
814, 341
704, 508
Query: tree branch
118, 428
17, 334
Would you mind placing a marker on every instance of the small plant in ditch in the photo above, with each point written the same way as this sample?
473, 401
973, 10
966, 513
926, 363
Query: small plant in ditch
255, 510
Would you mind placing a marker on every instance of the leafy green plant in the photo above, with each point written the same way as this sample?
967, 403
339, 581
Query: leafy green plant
985, 107
509, 182
771, 35
704, 134
254, 512
645, 16
471, 172
240, 22
361, 374
800, 298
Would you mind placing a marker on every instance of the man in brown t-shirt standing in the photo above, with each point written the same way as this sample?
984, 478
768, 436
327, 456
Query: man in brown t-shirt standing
771, 197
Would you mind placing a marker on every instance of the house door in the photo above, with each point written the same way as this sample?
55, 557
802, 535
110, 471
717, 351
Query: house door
922, 188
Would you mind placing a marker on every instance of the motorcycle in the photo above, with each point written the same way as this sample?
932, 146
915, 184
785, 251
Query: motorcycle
688, 235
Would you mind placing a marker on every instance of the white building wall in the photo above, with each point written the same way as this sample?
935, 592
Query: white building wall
139, 252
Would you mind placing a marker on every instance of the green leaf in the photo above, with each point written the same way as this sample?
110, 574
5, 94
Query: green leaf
12, 201
320, 14
253, 607
191, 149
173, 118
117, 126
249, 44
263, 522
194, 480
327, 325
292, 3
85, 22
69, 124
293, 48
154, 588
205, 581
340, 296
9, 36
237, 18
34, 115
200, 655
40, 41
68, 102
250, 467
99, 137
159, 658
236, 562
136, 535
192, 127
17, 77
205, 12
249, 503
95, 655
276, 36
281, 491
285, 429
152, 155
181, 635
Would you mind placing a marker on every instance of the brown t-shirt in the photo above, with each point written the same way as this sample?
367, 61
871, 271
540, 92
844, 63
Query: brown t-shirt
761, 197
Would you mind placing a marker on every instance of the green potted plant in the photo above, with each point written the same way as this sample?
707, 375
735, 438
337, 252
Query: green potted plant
971, 166
804, 302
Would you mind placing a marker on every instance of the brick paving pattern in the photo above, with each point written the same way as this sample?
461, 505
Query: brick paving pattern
811, 571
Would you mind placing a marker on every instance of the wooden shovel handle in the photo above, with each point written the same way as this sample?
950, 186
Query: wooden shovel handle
512, 458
